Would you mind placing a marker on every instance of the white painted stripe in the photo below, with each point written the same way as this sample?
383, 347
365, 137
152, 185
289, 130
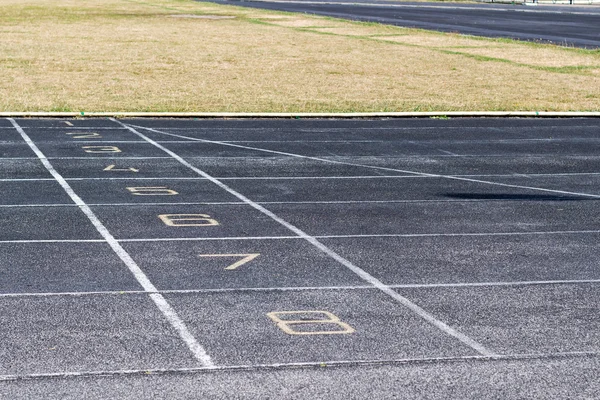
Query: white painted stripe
358, 271
35, 205
332, 159
42, 129
400, 235
84, 158
391, 235
176, 239
200, 239
26, 179
33, 241
192, 178
108, 158
238, 203
283, 178
453, 177
376, 128
380, 141
139, 275
296, 365
141, 204
411, 235
51, 142
513, 175
309, 288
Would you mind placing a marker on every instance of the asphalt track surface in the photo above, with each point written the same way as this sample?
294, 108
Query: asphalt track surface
564, 25
409, 258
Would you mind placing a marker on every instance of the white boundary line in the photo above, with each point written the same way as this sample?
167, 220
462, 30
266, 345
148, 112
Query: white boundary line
311, 288
360, 272
453, 177
83, 158
332, 159
139, 275
325, 177
238, 203
297, 365
34, 241
391, 235
352, 141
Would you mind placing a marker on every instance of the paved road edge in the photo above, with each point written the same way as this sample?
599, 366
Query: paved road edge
435, 114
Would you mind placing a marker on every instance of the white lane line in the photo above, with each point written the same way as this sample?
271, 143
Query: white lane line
75, 294
407, 235
141, 204
329, 158
200, 239
380, 128
417, 235
42, 129
297, 365
193, 178
33, 241
108, 158
565, 174
82, 158
176, 239
391, 235
187, 291
58, 141
26, 179
283, 178
358, 271
310, 288
35, 205
403, 141
453, 177
139, 275
238, 203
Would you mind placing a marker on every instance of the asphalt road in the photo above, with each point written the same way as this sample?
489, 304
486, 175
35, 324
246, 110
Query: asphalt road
565, 25
409, 258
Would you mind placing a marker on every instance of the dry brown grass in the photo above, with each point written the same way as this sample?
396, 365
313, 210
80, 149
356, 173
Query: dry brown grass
125, 55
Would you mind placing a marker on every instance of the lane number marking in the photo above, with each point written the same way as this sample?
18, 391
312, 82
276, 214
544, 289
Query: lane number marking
246, 259
290, 321
101, 149
112, 168
84, 135
188, 220
152, 191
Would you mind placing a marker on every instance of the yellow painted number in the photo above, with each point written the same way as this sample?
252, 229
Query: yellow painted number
101, 149
245, 259
84, 135
112, 168
188, 220
152, 191
309, 323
